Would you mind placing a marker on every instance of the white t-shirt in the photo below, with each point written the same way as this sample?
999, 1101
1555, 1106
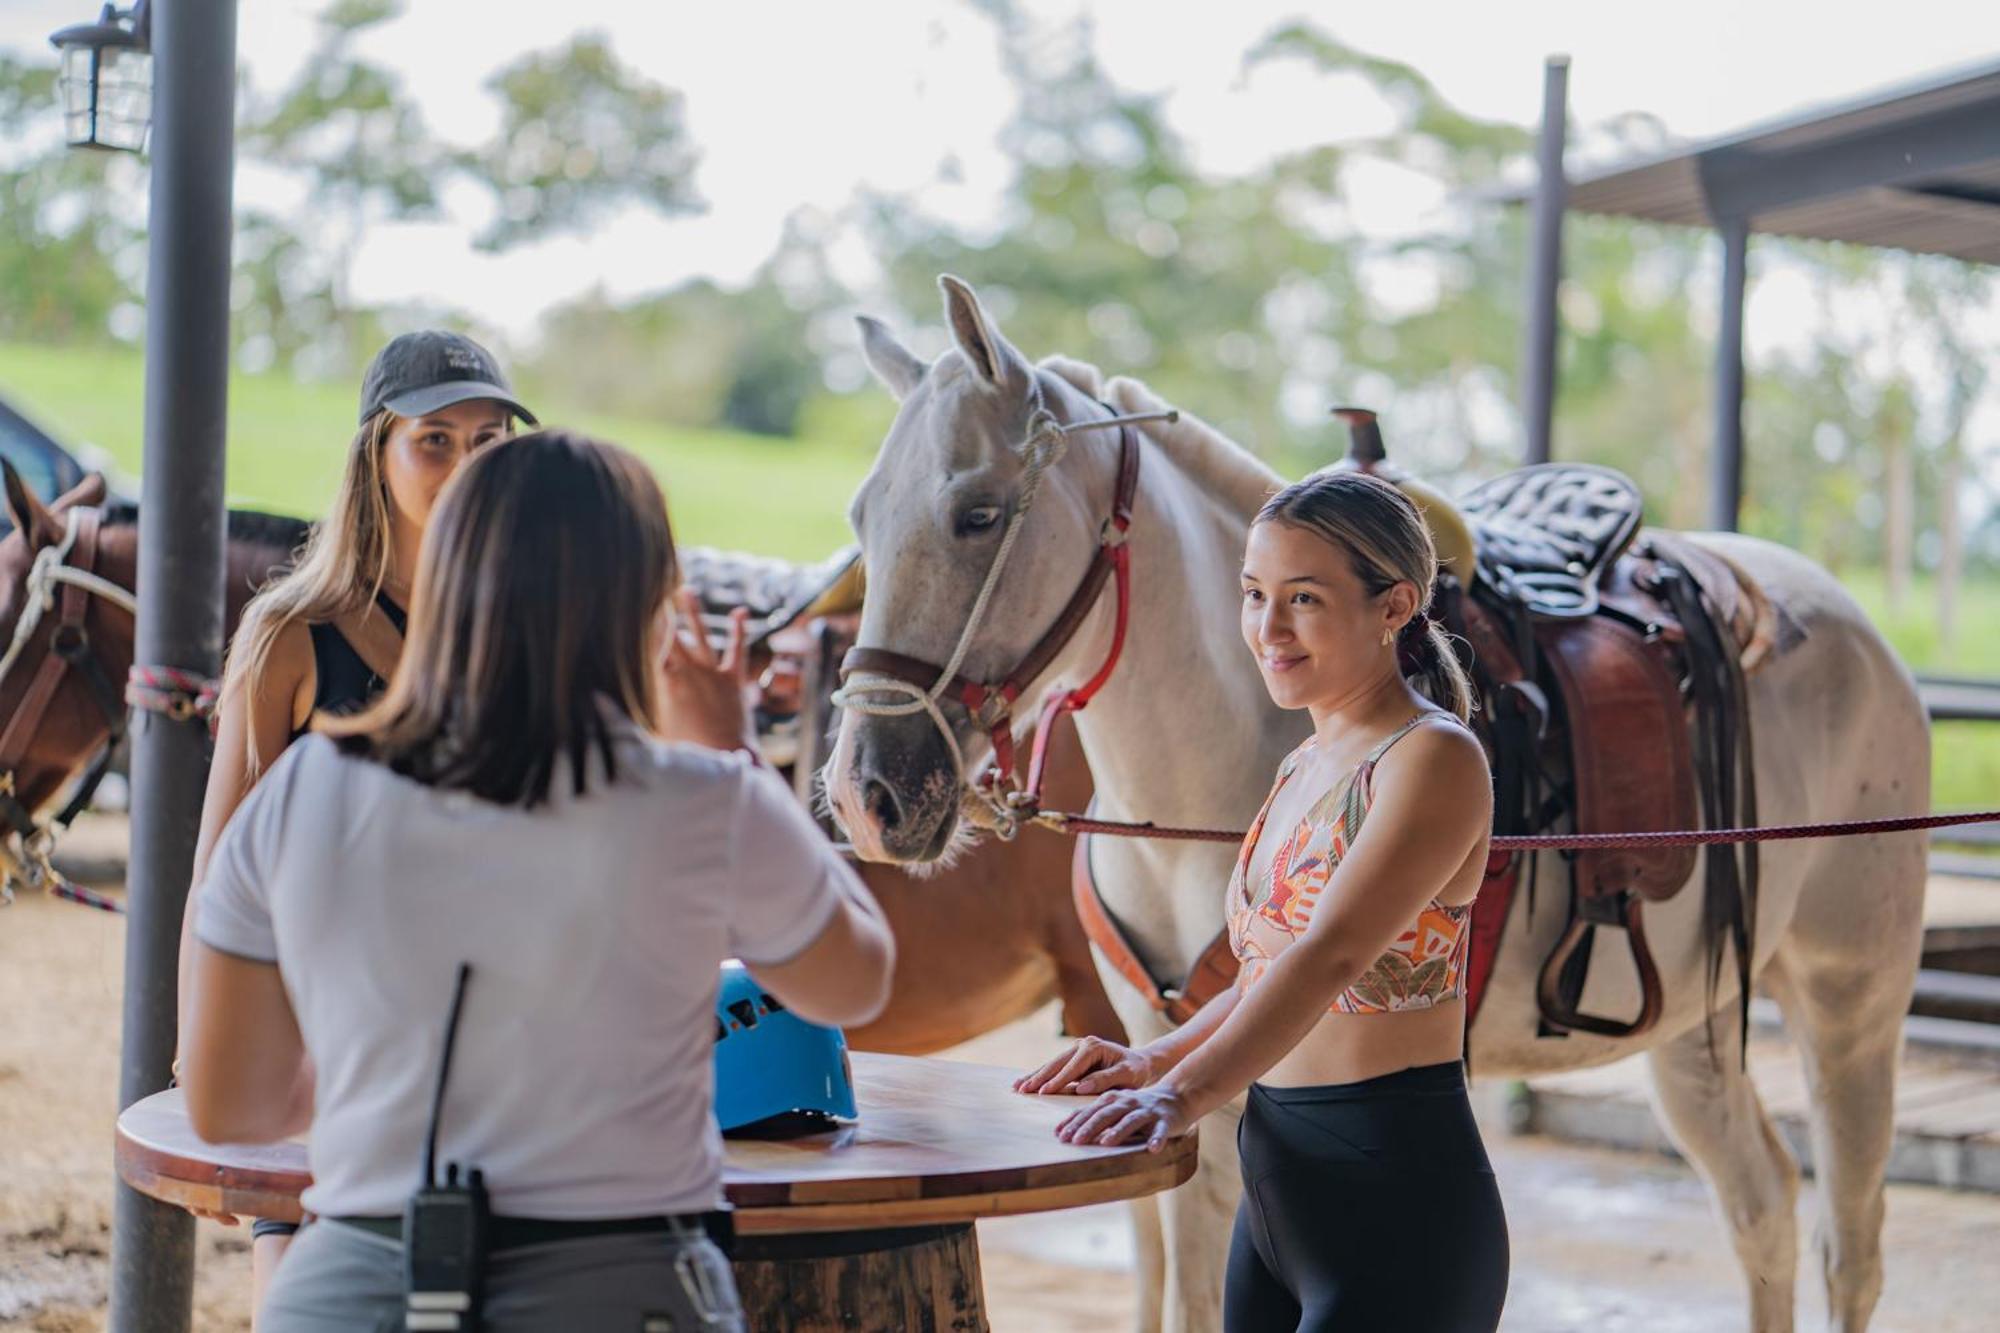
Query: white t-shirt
581, 1077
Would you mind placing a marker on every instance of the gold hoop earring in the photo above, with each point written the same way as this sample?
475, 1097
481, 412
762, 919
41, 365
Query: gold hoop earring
1388, 637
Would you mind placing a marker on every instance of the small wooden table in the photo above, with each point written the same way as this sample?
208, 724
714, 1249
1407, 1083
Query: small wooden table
865, 1228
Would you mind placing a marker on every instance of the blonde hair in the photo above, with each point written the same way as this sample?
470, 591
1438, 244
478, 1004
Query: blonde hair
1387, 542
342, 565
531, 621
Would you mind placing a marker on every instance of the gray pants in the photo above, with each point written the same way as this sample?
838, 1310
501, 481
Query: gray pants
341, 1279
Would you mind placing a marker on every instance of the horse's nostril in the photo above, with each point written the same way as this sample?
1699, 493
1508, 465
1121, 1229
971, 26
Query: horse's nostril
881, 804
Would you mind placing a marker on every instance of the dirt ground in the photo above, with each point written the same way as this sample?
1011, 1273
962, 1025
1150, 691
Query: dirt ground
1602, 1240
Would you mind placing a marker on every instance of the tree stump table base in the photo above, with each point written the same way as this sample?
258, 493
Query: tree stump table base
920, 1279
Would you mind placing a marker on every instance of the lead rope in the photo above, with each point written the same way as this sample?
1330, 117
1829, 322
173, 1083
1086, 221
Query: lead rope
1046, 443
1564, 842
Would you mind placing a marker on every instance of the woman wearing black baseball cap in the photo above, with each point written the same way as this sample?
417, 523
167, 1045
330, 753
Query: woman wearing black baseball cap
323, 638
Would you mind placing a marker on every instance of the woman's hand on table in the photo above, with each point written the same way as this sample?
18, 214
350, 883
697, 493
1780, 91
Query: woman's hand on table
1091, 1066
1130, 1115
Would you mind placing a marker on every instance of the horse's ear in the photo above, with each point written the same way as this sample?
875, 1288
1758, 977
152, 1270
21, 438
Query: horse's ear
979, 342
86, 494
31, 519
894, 364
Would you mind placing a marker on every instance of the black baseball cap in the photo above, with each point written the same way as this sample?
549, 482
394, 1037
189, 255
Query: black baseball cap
431, 369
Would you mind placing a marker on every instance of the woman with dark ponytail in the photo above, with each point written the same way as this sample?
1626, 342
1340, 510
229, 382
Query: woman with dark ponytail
1369, 1202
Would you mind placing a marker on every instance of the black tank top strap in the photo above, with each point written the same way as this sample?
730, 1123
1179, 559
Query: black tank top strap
345, 683
397, 616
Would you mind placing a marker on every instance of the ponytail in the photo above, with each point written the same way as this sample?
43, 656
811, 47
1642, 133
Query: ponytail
1429, 661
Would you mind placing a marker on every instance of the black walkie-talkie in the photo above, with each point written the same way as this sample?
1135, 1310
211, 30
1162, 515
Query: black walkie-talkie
445, 1225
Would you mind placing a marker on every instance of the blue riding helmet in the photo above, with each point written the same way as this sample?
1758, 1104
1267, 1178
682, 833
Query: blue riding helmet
769, 1061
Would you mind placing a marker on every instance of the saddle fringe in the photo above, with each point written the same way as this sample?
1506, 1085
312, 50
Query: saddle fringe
1751, 616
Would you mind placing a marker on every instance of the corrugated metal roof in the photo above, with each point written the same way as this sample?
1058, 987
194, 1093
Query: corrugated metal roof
1916, 167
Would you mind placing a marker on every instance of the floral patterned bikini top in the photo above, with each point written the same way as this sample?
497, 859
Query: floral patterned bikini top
1424, 966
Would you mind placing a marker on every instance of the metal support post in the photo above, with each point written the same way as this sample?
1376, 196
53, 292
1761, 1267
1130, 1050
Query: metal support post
1725, 488
1538, 368
180, 583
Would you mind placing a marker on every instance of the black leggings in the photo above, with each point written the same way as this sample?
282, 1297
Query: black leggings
1366, 1206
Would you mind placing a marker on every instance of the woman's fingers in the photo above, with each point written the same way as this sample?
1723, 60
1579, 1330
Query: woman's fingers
1132, 1125
1081, 1062
1106, 1079
694, 640
1093, 1120
1065, 1069
733, 653
1033, 1081
1071, 1125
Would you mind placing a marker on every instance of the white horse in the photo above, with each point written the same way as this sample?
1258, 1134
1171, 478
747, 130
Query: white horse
1185, 734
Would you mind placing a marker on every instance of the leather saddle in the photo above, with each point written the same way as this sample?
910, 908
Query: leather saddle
1609, 661
777, 593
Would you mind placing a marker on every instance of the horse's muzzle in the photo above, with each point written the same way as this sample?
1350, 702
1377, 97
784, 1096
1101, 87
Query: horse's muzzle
892, 788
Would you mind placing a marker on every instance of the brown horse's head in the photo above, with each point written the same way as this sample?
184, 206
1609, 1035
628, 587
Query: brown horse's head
53, 718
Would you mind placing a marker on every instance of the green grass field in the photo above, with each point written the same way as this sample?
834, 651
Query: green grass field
781, 497
287, 441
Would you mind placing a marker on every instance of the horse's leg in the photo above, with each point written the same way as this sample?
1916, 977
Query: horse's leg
1195, 1223
1843, 981
1182, 1236
1086, 1009
1713, 1113
1151, 1270
1850, 1067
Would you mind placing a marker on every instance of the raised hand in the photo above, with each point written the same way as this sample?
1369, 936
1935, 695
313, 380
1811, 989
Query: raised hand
704, 692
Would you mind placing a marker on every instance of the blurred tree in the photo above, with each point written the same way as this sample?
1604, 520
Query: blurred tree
1114, 249
72, 238
580, 134
1442, 365
1946, 298
697, 355
346, 128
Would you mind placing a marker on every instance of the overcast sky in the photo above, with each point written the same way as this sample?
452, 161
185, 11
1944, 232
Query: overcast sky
799, 102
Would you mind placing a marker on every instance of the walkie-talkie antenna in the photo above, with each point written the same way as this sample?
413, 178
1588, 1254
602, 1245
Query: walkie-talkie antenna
444, 1068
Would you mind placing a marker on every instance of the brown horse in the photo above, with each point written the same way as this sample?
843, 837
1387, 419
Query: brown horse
982, 944
53, 722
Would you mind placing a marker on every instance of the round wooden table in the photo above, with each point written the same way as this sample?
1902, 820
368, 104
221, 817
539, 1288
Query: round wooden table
868, 1227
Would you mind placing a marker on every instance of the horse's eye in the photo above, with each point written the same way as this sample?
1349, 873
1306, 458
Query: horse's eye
978, 520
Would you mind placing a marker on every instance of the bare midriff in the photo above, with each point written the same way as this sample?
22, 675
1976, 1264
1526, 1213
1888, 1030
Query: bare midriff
1346, 1048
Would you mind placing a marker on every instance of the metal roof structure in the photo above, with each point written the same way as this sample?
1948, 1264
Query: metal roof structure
1914, 167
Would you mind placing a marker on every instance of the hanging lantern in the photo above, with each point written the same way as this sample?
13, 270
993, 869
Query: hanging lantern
107, 79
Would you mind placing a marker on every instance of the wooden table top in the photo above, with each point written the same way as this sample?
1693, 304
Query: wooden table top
938, 1141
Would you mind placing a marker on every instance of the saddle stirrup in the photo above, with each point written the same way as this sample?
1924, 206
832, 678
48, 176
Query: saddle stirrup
1621, 911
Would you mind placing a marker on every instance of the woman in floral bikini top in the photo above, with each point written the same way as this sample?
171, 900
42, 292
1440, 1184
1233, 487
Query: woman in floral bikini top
1368, 1200
1422, 967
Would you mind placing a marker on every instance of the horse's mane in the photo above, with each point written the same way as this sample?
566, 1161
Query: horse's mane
1227, 467
249, 527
